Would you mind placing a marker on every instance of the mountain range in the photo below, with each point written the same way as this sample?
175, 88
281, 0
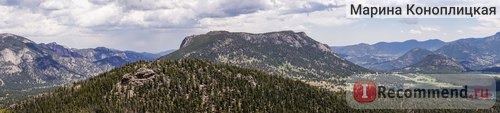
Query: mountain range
471, 54
217, 80
206, 75
371, 56
31, 68
26, 66
475, 53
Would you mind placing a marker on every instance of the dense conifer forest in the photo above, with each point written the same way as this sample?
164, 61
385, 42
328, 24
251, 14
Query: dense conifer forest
191, 86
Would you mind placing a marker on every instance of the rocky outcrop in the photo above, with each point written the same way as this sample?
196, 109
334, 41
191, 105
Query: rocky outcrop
129, 82
142, 75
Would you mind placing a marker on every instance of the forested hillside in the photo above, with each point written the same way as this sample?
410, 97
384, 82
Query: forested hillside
185, 86
192, 86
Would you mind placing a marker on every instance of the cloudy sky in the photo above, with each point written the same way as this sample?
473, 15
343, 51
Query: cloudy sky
159, 25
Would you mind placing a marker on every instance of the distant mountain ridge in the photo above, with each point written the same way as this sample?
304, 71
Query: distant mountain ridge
25, 65
475, 53
375, 55
388, 48
470, 54
287, 53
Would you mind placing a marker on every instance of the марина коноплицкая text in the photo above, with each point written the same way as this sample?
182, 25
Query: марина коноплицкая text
412, 10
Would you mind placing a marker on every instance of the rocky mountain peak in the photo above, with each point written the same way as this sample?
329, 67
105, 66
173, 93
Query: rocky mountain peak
436, 63
411, 41
55, 45
294, 39
415, 54
104, 50
27, 66
6, 34
494, 37
217, 32
283, 52
61, 50
283, 32
186, 41
8, 37
411, 57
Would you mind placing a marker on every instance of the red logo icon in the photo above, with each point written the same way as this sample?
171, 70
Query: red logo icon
364, 91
